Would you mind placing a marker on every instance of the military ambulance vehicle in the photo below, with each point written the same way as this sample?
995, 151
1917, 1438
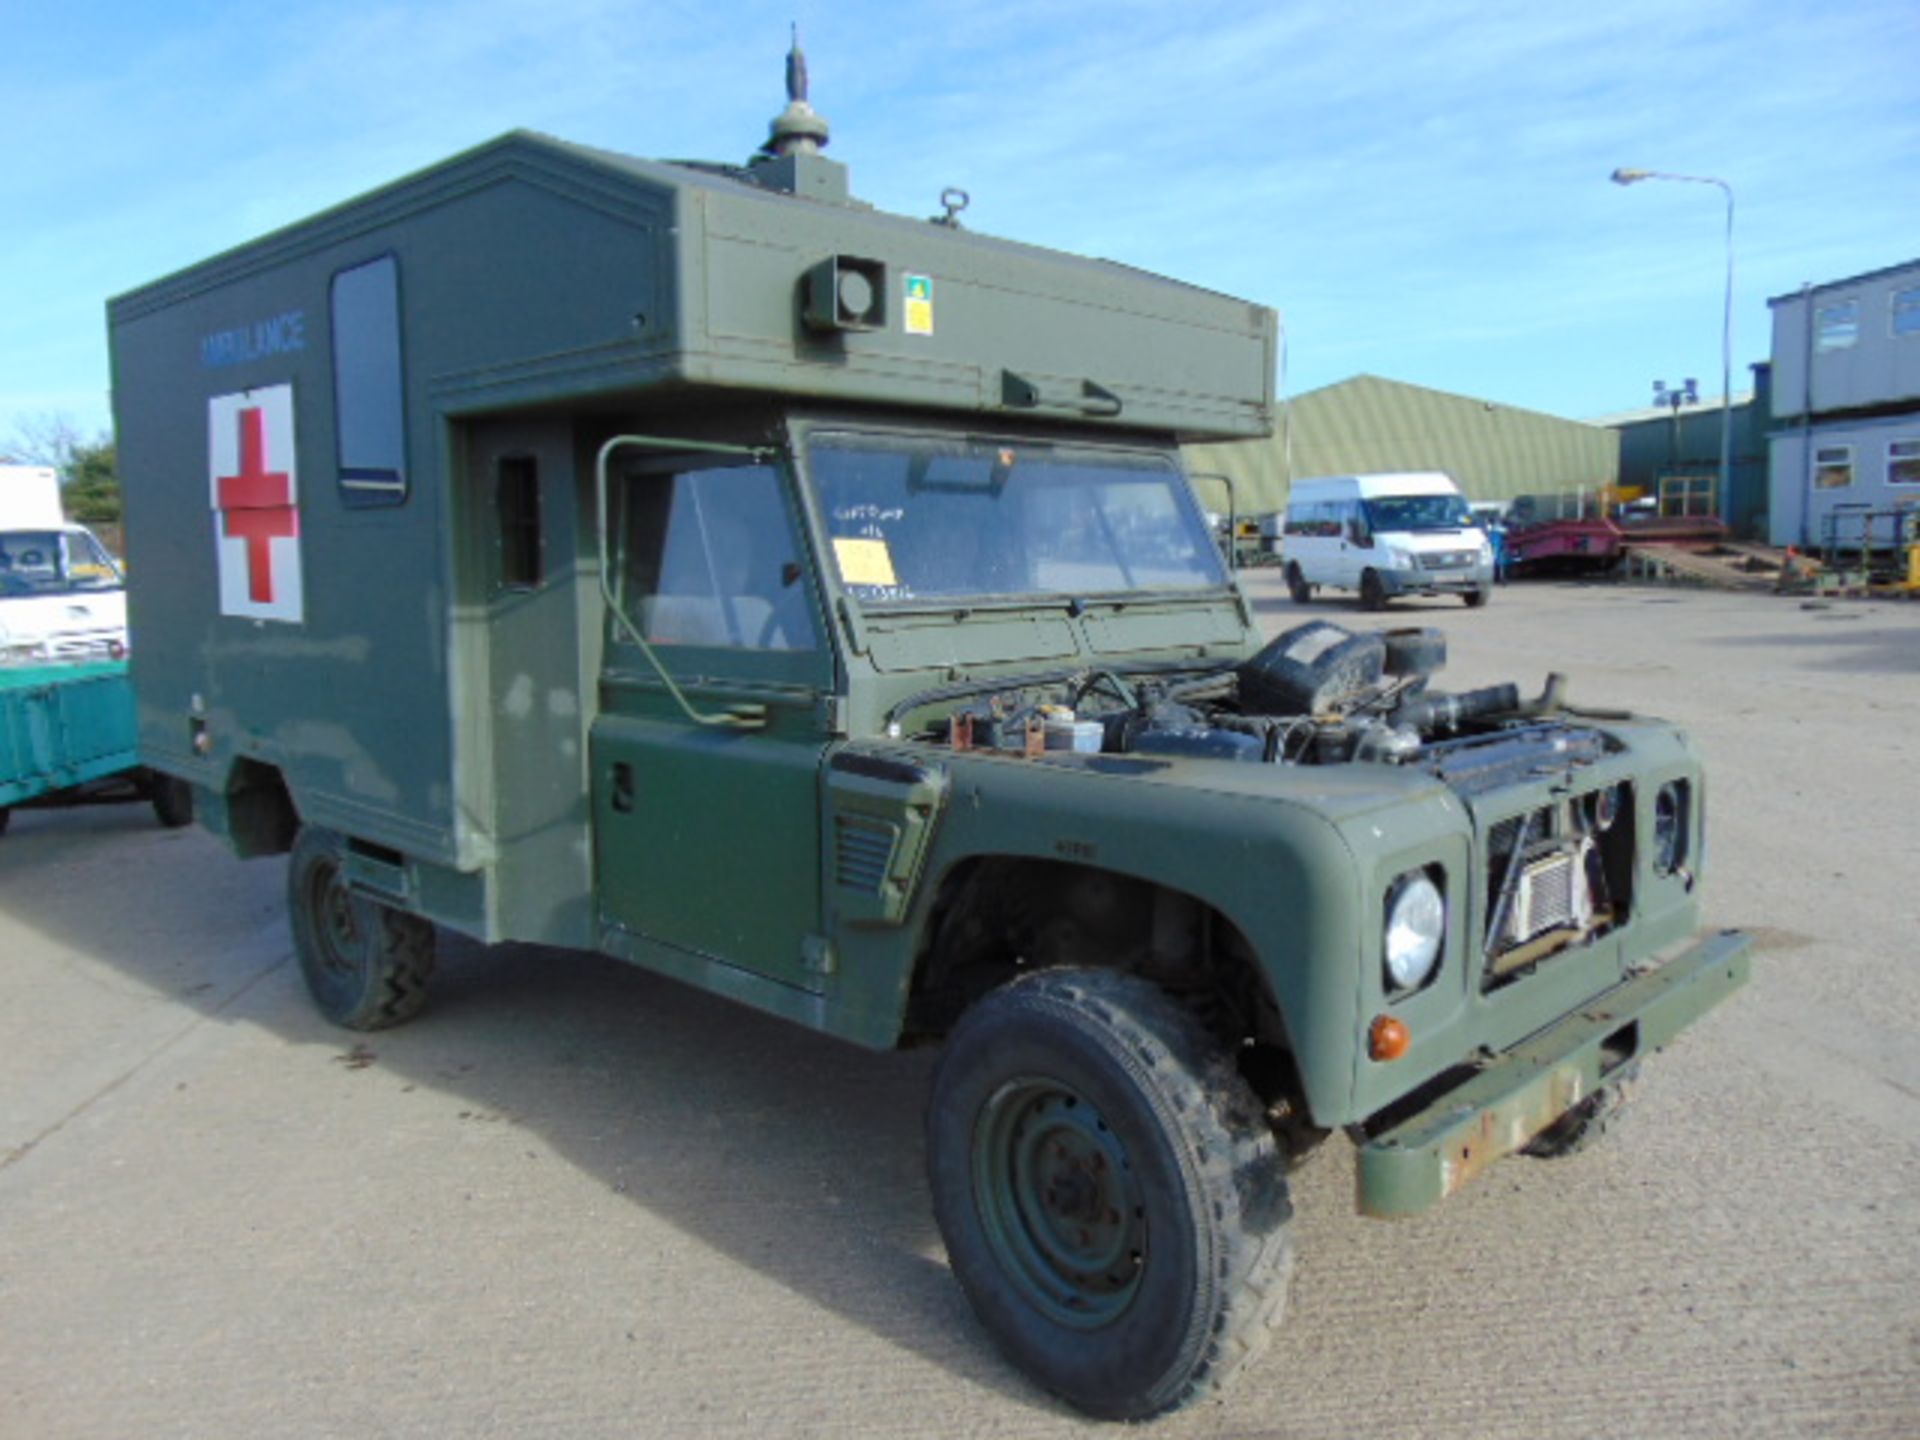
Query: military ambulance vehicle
690, 563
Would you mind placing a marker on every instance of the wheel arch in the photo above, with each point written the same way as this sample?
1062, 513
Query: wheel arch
253, 809
996, 916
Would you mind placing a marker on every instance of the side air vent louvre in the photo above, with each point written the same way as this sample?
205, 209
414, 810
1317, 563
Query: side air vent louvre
863, 849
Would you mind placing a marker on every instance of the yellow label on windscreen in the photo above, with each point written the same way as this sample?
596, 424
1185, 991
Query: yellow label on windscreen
864, 562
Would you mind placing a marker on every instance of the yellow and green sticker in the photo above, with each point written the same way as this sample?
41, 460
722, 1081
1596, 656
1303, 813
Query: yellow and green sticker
919, 306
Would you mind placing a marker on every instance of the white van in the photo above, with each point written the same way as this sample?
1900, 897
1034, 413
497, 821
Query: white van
1385, 535
61, 595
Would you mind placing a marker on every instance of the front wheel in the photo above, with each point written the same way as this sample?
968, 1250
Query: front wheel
366, 964
1297, 585
1373, 594
1113, 1200
1476, 598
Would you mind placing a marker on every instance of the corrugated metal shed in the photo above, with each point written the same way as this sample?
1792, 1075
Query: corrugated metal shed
1657, 441
1368, 425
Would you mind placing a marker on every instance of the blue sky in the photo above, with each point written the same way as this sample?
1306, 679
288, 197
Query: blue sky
1420, 189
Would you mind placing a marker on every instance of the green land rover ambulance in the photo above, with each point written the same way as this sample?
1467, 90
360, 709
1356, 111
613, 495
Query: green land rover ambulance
691, 563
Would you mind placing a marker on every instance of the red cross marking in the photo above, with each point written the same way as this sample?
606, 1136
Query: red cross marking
257, 506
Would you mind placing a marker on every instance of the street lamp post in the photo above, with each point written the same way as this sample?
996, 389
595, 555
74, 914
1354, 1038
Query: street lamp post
1625, 176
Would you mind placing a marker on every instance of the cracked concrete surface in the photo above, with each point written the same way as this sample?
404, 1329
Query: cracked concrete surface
575, 1199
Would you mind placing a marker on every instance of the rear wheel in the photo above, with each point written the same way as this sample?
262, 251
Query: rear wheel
1113, 1200
1373, 594
172, 800
366, 964
1297, 585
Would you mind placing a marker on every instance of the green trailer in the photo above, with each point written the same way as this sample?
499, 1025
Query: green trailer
693, 564
67, 737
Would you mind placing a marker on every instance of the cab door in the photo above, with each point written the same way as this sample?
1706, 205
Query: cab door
1355, 544
707, 836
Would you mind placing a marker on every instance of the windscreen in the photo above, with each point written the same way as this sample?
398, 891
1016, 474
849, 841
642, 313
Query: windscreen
1418, 512
929, 518
53, 562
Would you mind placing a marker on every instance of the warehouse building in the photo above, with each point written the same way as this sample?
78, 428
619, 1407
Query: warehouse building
1846, 406
1369, 425
1670, 451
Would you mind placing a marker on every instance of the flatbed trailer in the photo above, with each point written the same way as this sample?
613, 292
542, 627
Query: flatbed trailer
1599, 543
67, 737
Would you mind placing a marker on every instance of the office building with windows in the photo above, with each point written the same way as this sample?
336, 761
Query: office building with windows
1845, 450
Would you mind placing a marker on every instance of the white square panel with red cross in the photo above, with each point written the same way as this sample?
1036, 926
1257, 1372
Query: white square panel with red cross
256, 517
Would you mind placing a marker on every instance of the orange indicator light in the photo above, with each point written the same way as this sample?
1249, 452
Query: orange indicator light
1387, 1039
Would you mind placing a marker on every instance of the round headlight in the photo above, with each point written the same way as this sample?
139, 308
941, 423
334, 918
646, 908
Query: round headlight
1416, 924
1669, 827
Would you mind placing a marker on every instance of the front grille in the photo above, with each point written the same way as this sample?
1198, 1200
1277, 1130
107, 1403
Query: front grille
1554, 878
1543, 898
71, 647
1449, 559
87, 645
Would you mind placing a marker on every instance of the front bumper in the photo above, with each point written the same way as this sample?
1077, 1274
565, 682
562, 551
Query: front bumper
1426, 1157
1436, 582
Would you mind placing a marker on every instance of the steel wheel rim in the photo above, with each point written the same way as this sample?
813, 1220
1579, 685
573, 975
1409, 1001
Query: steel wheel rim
1060, 1204
336, 927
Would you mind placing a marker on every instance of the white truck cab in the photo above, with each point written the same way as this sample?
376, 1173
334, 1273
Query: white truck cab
1385, 535
62, 596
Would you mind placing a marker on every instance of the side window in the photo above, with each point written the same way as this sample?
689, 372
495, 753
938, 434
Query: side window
1904, 318
710, 561
1833, 467
517, 501
1903, 462
368, 399
1835, 327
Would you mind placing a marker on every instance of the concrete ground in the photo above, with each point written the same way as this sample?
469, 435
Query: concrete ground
578, 1200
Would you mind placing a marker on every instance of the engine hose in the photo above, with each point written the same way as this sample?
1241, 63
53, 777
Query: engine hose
1432, 711
1553, 701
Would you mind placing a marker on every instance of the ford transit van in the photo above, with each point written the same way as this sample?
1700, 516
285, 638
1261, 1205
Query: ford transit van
1385, 535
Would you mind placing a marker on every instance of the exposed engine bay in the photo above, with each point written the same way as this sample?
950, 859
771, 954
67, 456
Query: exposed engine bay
1316, 695
1323, 695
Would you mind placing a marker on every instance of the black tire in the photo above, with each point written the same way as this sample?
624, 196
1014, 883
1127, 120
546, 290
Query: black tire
1155, 1263
1476, 598
1373, 595
1297, 586
172, 800
1416, 650
366, 964
1584, 1126
6, 817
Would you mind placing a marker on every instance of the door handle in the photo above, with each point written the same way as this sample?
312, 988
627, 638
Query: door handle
622, 800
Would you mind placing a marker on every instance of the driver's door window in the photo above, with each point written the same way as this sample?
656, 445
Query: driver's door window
711, 562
